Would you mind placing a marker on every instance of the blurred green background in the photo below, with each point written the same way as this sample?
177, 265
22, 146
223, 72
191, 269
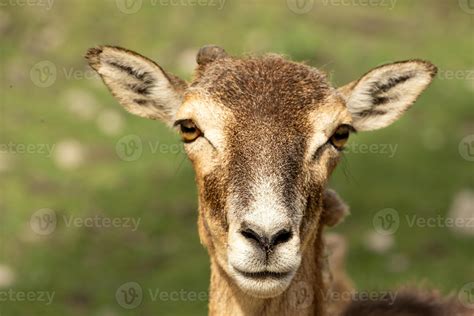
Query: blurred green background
64, 137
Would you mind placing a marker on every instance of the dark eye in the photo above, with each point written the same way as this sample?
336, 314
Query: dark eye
340, 136
188, 130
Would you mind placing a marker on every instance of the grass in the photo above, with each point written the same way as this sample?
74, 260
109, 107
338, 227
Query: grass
84, 266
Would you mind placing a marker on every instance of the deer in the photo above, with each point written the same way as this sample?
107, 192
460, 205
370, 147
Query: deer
264, 134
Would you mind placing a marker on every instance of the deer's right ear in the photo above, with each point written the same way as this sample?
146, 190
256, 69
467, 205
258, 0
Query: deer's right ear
141, 86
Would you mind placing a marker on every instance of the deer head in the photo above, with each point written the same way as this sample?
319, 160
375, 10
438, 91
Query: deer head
264, 135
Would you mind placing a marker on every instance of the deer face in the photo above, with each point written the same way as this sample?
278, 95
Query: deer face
264, 135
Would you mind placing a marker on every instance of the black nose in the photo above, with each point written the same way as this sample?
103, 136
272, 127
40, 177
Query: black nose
267, 242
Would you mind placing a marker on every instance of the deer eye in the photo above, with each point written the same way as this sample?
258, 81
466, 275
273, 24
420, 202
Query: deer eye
340, 136
188, 130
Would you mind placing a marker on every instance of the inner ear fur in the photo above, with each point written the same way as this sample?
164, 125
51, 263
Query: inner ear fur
140, 85
383, 94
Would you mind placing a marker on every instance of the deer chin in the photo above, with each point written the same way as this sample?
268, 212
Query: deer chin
262, 284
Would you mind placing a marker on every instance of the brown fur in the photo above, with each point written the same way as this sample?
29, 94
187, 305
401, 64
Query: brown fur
339, 287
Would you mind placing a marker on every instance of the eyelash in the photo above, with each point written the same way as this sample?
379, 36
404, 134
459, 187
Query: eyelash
189, 130
329, 142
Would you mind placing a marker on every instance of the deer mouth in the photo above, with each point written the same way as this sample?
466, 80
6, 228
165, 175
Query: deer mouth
264, 283
263, 274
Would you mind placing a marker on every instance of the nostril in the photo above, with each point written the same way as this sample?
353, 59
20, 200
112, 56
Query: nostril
266, 242
250, 234
281, 237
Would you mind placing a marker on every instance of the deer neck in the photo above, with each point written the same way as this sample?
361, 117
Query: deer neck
303, 297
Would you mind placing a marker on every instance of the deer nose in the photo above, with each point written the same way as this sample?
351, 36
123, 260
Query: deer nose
266, 241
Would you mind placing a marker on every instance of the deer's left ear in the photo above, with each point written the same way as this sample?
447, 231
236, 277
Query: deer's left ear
383, 94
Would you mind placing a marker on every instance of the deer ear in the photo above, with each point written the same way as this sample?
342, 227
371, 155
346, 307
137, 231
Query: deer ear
141, 86
335, 210
382, 95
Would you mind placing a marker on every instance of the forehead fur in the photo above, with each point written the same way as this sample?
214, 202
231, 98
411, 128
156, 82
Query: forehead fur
271, 100
265, 86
